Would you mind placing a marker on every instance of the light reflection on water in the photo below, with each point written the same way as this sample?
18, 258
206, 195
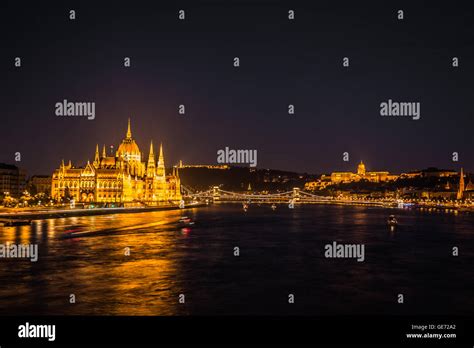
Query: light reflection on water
282, 252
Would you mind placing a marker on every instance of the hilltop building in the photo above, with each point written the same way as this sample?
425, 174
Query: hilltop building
361, 174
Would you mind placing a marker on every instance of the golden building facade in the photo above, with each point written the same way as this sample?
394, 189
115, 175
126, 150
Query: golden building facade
119, 179
362, 174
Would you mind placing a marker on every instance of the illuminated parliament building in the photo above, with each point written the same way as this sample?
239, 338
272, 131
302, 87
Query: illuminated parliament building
119, 179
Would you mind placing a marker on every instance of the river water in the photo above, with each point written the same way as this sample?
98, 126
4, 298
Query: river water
282, 252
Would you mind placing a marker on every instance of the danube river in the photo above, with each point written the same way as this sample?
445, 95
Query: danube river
282, 252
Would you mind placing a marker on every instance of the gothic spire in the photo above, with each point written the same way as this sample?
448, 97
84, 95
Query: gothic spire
151, 161
151, 156
161, 152
129, 131
96, 157
151, 149
161, 162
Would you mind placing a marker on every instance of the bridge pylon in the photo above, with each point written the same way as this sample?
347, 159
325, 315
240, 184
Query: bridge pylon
296, 194
215, 194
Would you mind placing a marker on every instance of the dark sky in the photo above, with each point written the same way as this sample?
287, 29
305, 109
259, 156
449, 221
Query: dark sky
282, 62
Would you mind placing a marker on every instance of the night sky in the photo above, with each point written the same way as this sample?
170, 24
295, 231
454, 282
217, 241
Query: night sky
283, 62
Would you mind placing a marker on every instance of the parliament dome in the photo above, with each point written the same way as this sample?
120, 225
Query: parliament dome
129, 149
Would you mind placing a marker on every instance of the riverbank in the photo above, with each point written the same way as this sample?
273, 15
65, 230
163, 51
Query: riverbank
59, 213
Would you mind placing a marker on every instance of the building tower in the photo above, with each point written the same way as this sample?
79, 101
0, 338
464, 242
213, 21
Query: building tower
150, 168
461, 185
96, 157
361, 168
150, 182
160, 171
